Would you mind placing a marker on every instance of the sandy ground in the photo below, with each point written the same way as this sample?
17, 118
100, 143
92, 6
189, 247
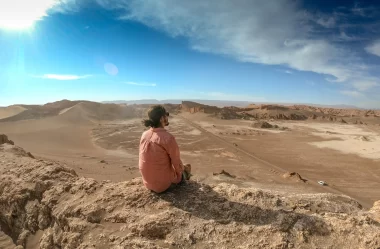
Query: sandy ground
108, 150
346, 169
207, 154
345, 156
349, 139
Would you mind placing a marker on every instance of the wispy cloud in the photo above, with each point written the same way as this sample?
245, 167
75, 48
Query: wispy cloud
351, 93
235, 29
364, 85
141, 84
285, 71
367, 11
326, 21
344, 37
61, 76
374, 48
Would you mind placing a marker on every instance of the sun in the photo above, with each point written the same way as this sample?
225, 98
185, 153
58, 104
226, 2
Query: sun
21, 14
16, 24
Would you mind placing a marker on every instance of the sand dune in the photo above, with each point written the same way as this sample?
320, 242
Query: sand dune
71, 111
64, 110
67, 137
40, 111
66, 132
91, 112
98, 111
6, 112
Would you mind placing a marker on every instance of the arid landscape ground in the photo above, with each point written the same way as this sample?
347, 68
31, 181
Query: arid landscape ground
255, 178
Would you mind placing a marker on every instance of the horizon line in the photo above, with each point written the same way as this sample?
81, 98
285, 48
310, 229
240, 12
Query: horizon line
339, 106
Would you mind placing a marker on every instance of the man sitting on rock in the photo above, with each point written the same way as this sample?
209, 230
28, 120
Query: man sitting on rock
159, 159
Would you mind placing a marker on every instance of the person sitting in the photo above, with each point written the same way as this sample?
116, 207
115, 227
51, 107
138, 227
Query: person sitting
159, 156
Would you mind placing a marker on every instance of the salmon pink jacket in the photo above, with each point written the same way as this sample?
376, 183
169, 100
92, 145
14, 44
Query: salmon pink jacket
159, 160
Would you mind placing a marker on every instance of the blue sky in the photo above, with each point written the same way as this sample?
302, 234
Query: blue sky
323, 52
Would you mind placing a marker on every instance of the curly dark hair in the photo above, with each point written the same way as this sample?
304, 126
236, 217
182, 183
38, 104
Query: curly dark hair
155, 113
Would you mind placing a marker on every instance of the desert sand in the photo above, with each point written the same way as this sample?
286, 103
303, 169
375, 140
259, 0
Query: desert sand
10, 111
82, 188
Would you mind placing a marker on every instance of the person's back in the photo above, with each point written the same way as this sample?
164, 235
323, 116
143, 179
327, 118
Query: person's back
159, 157
156, 165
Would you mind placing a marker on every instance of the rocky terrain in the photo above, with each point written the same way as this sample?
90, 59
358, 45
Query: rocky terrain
100, 111
45, 204
280, 112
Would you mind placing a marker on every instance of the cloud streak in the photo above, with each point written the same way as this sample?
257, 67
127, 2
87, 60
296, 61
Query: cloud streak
350, 93
241, 29
364, 85
62, 76
285, 71
374, 48
327, 22
141, 84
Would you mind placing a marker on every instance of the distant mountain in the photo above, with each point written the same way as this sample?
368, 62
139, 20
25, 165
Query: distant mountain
137, 102
220, 103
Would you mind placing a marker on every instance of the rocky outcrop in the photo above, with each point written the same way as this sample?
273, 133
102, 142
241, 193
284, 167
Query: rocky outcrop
46, 199
280, 112
7, 145
294, 176
280, 116
262, 124
274, 107
375, 211
222, 113
4, 139
313, 116
194, 107
225, 173
341, 112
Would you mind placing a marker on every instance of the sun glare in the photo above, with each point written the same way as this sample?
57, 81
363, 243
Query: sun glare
21, 14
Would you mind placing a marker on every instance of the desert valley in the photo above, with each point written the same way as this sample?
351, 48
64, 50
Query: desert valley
294, 176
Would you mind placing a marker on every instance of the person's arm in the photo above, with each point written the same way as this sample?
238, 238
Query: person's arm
173, 151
